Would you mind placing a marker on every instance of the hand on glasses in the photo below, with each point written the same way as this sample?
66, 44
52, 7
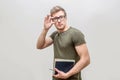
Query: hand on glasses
48, 22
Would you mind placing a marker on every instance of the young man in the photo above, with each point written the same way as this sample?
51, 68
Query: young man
69, 43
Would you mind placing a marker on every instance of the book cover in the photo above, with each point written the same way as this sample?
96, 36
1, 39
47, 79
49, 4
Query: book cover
63, 64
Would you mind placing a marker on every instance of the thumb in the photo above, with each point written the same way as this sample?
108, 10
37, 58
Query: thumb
57, 70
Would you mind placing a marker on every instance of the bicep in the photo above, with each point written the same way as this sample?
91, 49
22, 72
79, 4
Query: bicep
48, 42
84, 56
82, 51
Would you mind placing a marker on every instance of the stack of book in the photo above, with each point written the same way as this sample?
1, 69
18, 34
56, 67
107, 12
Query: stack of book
63, 64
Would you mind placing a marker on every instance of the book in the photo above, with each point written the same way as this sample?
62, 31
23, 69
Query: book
63, 64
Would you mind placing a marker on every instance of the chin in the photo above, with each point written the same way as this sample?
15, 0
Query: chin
60, 28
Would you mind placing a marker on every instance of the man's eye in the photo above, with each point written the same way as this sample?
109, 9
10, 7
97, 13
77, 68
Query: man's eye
60, 17
56, 18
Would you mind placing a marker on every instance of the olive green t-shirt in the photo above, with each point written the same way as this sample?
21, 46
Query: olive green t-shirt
64, 46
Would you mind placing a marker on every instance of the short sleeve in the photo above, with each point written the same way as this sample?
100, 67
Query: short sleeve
78, 38
53, 35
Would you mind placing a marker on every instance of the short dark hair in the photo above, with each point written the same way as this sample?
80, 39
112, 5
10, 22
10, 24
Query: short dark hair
56, 9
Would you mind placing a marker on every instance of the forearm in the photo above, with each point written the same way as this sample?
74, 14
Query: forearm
82, 63
41, 39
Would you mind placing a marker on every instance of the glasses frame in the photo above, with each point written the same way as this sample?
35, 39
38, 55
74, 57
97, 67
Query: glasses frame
61, 18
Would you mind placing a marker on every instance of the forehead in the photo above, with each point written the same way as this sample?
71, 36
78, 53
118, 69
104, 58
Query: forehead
59, 13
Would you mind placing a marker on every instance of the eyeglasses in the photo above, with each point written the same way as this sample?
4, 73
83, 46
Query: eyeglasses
61, 18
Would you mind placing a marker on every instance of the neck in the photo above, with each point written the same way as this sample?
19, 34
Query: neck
65, 29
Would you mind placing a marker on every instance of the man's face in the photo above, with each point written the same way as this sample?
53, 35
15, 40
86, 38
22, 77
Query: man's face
59, 20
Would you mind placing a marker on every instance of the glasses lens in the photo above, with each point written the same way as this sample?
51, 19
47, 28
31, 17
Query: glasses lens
55, 19
61, 17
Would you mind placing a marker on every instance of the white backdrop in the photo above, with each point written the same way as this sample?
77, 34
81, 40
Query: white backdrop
21, 22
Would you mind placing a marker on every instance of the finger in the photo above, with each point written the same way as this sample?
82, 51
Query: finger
56, 76
52, 22
46, 18
57, 70
49, 17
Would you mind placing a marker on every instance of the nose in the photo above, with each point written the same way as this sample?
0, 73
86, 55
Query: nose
59, 20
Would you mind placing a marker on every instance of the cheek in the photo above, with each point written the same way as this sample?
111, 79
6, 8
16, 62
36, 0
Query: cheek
55, 24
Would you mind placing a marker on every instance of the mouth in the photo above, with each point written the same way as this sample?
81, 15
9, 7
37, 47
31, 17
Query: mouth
60, 24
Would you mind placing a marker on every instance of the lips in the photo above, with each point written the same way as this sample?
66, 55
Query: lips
60, 24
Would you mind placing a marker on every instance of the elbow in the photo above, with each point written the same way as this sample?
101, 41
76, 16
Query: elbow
39, 47
88, 60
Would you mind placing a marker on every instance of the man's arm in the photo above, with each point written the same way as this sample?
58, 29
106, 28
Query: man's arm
82, 63
84, 59
42, 40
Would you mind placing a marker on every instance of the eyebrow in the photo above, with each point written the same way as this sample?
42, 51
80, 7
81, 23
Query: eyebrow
58, 16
